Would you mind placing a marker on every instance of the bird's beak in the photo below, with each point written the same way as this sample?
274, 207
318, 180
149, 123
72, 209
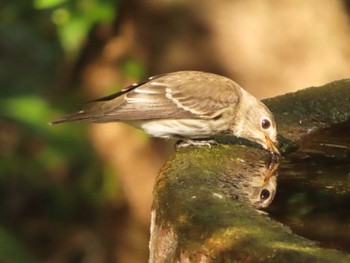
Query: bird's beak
271, 169
271, 146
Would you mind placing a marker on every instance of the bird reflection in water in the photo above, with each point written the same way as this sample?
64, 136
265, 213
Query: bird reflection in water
254, 183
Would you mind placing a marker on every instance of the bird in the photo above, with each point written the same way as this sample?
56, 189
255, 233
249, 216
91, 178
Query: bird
192, 106
252, 183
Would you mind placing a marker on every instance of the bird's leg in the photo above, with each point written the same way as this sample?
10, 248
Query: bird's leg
185, 142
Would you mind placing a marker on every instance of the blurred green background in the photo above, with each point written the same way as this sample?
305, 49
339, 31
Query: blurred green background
83, 193
55, 192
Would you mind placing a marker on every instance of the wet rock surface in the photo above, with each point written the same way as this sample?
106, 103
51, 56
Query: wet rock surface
208, 201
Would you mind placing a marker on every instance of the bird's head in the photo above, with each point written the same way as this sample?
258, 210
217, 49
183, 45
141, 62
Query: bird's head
256, 123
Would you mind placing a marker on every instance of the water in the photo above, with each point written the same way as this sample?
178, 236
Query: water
313, 189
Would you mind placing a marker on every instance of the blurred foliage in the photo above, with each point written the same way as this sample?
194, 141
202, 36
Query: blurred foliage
75, 18
11, 251
51, 181
134, 69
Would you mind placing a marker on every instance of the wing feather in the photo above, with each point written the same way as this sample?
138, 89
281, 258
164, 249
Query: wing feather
178, 95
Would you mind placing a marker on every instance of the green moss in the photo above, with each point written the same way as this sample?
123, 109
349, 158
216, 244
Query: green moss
311, 109
206, 196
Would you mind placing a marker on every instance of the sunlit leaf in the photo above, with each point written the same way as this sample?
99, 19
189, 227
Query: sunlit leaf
134, 68
75, 18
60, 16
72, 33
26, 109
42, 4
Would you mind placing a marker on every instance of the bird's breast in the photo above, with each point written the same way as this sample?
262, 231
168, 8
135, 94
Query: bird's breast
188, 128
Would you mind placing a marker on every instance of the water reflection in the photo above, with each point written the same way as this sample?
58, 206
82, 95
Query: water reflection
253, 183
314, 193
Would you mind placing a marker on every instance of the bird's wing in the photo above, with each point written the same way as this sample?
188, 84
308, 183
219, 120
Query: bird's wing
185, 94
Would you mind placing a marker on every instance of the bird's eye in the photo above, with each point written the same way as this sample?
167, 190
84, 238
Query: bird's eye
265, 124
264, 194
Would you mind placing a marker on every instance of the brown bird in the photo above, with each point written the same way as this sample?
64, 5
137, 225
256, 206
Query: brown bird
187, 105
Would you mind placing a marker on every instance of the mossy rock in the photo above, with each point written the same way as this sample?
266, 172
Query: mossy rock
206, 200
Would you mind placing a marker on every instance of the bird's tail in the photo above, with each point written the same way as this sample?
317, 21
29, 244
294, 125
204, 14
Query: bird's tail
77, 116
